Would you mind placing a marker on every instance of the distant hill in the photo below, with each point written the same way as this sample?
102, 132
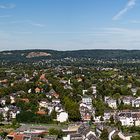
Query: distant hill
36, 55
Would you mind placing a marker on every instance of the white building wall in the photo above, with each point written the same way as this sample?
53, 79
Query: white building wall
113, 105
127, 121
62, 117
137, 123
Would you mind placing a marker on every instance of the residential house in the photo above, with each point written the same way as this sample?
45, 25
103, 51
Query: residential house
26, 80
72, 128
129, 118
15, 136
86, 109
26, 100
129, 85
13, 110
136, 102
56, 101
19, 93
3, 101
73, 136
136, 117
4, 83
87, 100
111, 102
94, 90
12, 98
43, 103
13, 113
58, 107
86, 134
87, 116
10, 112
55, 95
27, 135
134, 91
79, 79
86, 112
127, 100
108, 114
41, 112
52, 93
37, 90
83, 133
125, 118
30, 90
91, 136
4, 111
50, 108
64, 82
68, 87
69, 72
84, 91
43, 78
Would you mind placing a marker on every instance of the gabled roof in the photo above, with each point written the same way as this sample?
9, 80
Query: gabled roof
16, 136
44, 100
76, 136
52, 91
83, 130
91, 137
127, 98
41, 112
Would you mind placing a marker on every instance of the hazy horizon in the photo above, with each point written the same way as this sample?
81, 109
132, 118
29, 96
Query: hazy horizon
69, 24
70, 50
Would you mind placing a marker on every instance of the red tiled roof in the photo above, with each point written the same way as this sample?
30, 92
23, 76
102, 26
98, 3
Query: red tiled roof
16, 136
25, 100
41, 112
37, 89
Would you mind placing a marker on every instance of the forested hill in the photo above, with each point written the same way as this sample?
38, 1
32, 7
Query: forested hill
35, 55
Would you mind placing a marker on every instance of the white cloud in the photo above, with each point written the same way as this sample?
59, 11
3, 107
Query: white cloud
124, 31
110, 38
7, 6
135, 21
23, 32
99, 38
20, 21
37, 24
129, 5
29, 22
5, 16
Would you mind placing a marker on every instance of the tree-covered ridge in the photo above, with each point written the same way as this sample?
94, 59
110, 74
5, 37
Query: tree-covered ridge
21, 55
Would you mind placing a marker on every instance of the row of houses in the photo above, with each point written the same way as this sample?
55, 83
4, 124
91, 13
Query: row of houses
10, 110
129, 118
125, 100
82, 132
72, 132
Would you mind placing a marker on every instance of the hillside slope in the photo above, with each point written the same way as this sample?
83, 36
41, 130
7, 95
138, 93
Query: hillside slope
36, 55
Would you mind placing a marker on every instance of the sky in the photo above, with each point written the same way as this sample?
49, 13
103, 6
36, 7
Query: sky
69, 24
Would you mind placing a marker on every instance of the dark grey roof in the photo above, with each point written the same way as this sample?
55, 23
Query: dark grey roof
76, 136
52, 91
91, 137
83, 130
